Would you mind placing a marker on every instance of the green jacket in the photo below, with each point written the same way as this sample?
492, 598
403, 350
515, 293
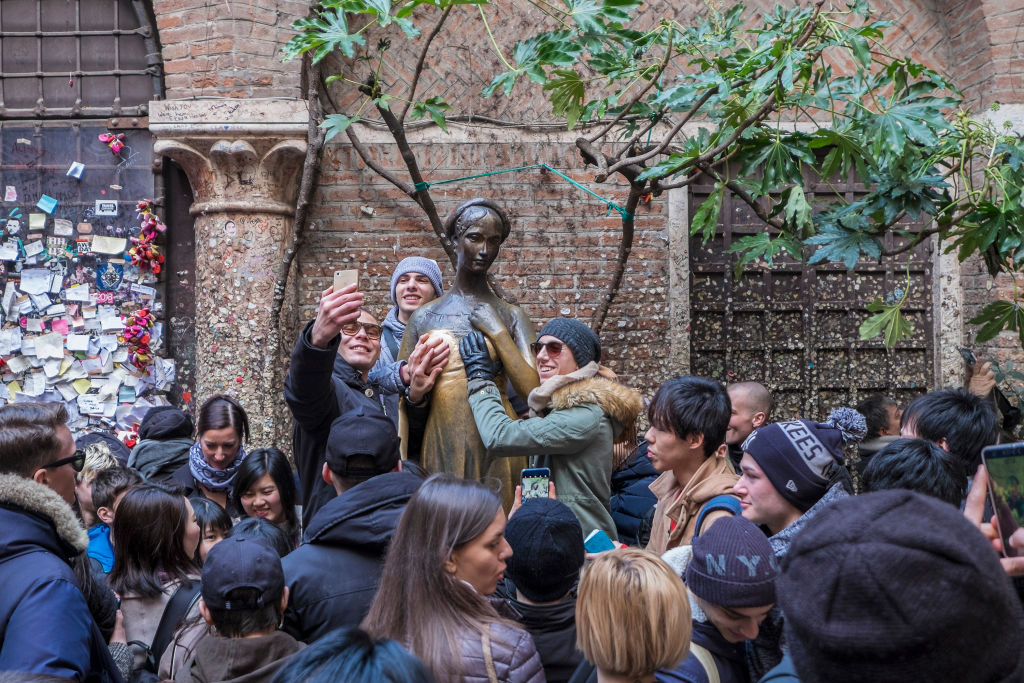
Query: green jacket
574, 439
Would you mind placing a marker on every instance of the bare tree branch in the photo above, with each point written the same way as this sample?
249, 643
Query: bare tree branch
419, 63
364, 154
636, 191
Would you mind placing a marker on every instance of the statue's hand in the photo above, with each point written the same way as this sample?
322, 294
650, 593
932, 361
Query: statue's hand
473, 349
486, 319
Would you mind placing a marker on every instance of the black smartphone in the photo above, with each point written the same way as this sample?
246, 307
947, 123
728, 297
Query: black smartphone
1005, 465
535, 482
968, 356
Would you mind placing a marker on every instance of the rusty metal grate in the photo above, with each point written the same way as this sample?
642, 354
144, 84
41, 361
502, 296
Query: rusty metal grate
794, 328
77, 59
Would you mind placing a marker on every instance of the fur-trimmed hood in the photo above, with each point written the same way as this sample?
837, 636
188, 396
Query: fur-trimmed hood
618, 401
43, 505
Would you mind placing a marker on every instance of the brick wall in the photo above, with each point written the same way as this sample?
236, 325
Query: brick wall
228, 48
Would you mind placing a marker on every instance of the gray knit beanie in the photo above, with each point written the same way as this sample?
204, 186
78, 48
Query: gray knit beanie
580, 339
417, 264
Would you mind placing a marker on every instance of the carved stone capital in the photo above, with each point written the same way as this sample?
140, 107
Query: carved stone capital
239, 155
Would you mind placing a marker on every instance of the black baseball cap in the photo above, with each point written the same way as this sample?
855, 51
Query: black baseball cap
366, 433
242, 562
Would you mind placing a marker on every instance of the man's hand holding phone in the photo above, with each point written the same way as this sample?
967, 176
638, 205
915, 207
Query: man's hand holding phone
974, 511
336, 308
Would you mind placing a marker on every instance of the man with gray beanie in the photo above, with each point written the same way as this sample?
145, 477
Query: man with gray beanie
730, 573
897, 586
416, 281
576, 414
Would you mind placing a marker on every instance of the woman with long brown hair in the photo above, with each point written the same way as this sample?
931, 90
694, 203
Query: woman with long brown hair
155, 537
446, 557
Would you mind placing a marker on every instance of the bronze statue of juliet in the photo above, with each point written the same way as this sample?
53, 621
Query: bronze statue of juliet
442, 434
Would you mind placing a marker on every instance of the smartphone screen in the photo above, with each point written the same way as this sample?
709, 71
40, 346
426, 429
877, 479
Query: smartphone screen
968, 356
1005, 465
535, 482
344, 278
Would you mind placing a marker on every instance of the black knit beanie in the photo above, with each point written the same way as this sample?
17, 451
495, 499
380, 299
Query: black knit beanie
898, 586
547, 549
164, 423
798, 456
580, 339
733, 565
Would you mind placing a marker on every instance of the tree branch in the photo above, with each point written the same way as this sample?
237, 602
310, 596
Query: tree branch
640, 158
636, 191
364, 154
310, 172
625, 110
419, 63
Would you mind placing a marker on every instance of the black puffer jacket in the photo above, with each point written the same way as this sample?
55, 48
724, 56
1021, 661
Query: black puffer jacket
632, 503
319, 388
333, 575
553, 629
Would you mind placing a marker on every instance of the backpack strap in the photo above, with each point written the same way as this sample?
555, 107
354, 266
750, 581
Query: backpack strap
389, 339
185, 596
707, 660
725, 502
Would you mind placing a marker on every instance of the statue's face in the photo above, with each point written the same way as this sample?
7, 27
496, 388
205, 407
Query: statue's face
479, 244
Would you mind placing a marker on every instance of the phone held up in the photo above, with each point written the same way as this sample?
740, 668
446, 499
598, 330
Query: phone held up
344, 278
535, 482
1005, 465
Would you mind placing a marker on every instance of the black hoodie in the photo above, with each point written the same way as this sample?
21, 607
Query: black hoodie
333, 575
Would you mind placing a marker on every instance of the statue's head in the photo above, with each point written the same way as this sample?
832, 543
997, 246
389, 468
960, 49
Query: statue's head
476, 230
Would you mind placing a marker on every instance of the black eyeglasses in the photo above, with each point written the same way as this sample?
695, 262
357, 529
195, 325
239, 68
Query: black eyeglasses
352, 329
554, 347
77, 461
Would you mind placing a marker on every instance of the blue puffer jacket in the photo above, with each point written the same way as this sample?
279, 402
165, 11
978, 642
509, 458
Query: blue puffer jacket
45, 624
632, 503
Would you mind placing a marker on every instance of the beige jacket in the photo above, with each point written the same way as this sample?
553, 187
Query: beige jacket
713, 478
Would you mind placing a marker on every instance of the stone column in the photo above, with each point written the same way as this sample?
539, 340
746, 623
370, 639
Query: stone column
243, 160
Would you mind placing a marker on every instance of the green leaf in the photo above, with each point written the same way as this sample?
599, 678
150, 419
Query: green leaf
798, 211
842, 245
434, 107
322, 35
407, 27
761, 246
999, 316
567, 95
705, 220
888, 319
336, 123
383, 10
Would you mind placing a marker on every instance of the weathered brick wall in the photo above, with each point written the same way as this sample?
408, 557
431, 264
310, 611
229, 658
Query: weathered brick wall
228, 48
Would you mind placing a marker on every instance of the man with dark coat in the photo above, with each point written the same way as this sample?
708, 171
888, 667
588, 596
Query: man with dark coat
45, 624
547, 555
332, 577
330, 365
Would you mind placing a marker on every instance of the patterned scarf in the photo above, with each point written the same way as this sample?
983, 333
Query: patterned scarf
213, 479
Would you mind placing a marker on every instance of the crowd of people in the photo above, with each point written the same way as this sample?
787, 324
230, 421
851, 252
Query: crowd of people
858, 548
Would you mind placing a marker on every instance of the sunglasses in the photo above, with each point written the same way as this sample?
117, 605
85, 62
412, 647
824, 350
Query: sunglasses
554, 348
352, 329
77, 462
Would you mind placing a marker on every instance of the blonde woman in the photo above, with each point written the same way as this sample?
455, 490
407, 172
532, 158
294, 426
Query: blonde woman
632, 618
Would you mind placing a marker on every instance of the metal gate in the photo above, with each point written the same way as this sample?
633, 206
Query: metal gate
794, 328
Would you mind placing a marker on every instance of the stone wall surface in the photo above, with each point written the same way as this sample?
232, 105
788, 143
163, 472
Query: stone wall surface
559, 257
